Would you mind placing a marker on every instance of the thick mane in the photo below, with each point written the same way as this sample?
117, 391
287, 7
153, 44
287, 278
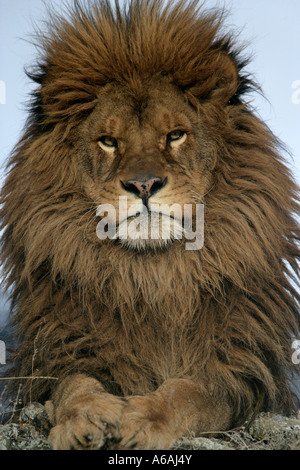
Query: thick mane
239, 281
127, 45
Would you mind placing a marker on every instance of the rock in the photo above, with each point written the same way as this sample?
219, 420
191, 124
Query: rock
202, 443
35, 415
279, 432
29, 433
17, 437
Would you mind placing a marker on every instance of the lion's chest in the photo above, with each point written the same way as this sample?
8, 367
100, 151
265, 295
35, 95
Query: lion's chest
145, 357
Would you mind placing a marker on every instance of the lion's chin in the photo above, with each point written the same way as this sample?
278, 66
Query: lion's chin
144, 237
145, 245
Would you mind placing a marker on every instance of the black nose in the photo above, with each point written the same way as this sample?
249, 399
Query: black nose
144, 189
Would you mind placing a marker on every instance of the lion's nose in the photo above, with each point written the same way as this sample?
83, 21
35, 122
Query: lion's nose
144, 189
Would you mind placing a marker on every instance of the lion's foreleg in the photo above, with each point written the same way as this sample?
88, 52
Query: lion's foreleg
86, 417
178, 407
83, 415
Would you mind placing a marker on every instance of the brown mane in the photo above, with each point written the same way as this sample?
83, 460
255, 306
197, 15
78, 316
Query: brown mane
90, 307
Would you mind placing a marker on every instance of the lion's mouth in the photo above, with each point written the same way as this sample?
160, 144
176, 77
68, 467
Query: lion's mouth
141, 227
149, 229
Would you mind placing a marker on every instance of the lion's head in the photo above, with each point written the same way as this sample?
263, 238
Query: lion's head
143, 130
150, 106
150, 148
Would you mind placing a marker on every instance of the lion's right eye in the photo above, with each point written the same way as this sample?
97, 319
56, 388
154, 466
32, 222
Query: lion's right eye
108, 144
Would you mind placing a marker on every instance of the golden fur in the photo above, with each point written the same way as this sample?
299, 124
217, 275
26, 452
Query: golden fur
154, 341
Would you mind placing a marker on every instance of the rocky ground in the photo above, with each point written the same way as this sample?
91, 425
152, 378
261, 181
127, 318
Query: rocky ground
268, 432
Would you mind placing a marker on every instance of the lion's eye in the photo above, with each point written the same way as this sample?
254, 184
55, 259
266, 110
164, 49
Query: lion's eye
107, 143
176, 137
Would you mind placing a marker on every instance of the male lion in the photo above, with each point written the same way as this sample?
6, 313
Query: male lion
148, 340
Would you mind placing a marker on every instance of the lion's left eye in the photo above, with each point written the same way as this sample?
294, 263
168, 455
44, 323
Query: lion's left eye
107, 143
176, 137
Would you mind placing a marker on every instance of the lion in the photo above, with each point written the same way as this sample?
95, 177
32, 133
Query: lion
134, 342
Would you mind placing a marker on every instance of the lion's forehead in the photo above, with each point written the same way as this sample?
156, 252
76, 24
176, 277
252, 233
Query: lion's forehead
160, 106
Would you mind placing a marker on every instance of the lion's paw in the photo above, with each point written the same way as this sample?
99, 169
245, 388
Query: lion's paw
92, 423
145, 425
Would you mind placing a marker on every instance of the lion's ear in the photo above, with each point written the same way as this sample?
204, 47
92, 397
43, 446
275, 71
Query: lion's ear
227, 78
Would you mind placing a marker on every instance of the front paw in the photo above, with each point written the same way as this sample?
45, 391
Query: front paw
91, 423
146, 424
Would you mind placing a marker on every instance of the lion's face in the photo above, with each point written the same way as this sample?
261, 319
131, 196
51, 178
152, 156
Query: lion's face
151, 151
